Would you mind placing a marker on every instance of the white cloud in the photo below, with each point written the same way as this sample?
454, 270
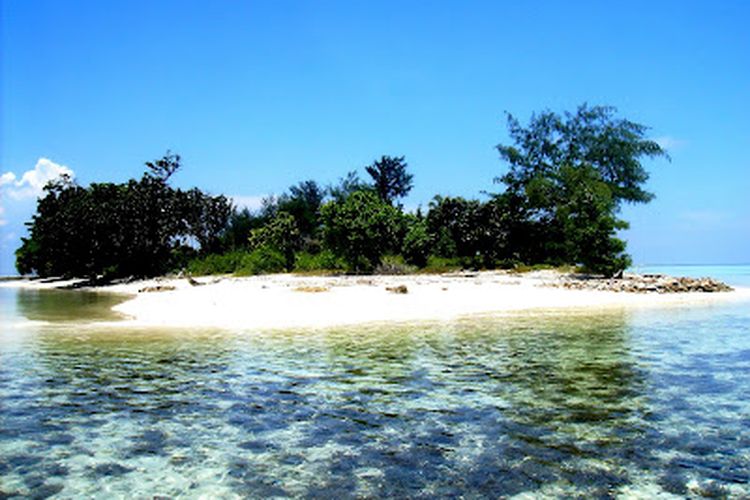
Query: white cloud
250, 202
30, 185
7, 178
670, 143
32, 182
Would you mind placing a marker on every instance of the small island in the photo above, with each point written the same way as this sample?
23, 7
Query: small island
548, 239
365, 250
559, 208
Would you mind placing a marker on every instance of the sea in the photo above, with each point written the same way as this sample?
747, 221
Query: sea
627, 403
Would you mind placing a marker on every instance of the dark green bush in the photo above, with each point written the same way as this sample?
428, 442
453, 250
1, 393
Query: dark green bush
417, 244
262, 260
227, 263
322, 261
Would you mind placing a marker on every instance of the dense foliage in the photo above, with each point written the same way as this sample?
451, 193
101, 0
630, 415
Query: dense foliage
390, 179
362, 228
566, 180
140, 228
568, 176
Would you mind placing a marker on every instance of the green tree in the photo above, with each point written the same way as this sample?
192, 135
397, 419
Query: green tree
567, 179
591, 137
347, 185
361, 229
302, 202
281, 234
390, 179
474, 231
114, 230
418, 242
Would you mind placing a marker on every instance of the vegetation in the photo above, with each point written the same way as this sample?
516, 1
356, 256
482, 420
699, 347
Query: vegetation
389, 177
139, 228
568, 176
361, 229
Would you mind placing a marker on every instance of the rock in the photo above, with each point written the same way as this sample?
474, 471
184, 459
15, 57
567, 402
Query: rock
193, 282
648, 283
397, 289
157, 288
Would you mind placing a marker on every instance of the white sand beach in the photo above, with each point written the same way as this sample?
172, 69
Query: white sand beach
292, 301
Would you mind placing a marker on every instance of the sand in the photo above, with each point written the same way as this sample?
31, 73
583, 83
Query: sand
290, 301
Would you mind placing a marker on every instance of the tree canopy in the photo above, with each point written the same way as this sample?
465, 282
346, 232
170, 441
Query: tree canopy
361, 228
566, 179
568, 176
390, 179
139, 228
592, 137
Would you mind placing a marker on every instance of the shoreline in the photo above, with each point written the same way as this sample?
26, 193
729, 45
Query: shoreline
286, 301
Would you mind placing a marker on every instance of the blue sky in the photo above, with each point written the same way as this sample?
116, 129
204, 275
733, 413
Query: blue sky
258, 95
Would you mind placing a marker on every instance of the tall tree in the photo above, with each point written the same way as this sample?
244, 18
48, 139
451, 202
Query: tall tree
569, 175
591, 137
303, 203
390, 179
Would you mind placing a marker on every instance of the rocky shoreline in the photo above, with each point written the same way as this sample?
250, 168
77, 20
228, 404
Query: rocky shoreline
642, 283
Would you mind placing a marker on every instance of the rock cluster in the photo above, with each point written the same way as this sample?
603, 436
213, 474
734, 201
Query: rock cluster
646, 283
157, 288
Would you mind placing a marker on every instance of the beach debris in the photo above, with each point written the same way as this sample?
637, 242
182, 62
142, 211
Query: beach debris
646, 283
312, 289
397, 289
193, 281
157, 288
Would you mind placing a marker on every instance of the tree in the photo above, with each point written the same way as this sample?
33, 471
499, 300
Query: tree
569, 175
347, 185
206, 217
281, 234
469, 229
361, 229
390, 179
592, 137
303, 203
113, 230
418, 242
241, 222
164, 167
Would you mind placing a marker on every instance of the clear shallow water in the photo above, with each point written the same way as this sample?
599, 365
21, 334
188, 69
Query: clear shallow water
645, 402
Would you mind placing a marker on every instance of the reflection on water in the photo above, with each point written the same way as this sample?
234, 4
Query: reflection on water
563, 405
65, 305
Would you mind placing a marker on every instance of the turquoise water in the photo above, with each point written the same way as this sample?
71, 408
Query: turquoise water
650, 402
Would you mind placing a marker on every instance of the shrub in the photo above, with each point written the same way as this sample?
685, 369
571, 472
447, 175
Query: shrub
281, 234
262, 260
436, 264
361, 229
322, 261
216, 263
417, 244
394, 264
